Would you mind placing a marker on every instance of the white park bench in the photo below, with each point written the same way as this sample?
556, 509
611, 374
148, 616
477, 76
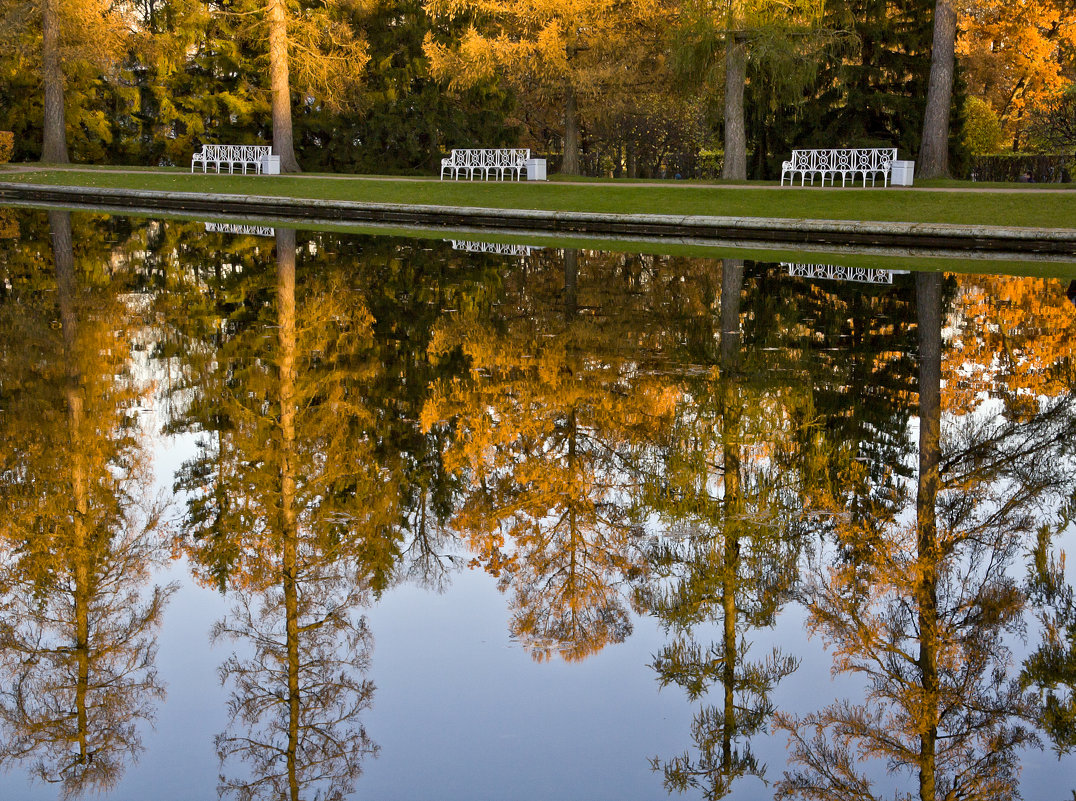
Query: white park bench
851, 162
257, 156
486, 163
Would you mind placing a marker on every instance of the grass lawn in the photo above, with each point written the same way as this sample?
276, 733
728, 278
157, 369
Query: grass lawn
1041, 209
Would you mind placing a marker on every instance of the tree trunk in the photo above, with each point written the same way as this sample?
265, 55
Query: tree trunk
285, 258
54, 144
280, 87
928, 302
570, 163
735, 168
933, 159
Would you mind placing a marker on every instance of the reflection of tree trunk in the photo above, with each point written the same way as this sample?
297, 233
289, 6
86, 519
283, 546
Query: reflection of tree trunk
574, 545
731, 290
731, 287
571, 288
285, 259
280, 87
66, 290
928, 302
570, 163
735, 129
934, 148
54, 144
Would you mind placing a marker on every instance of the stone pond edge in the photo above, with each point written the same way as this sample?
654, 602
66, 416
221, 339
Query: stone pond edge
776, 231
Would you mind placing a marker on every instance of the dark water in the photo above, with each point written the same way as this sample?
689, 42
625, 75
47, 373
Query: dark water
307, 515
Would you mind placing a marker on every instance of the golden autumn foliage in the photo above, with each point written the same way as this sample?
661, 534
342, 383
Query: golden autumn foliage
1016, 54
587, 44
543, 440
567, 54
284, 496
78, 536
284, 430
544, 429
91, 31
1010, 336
922, 604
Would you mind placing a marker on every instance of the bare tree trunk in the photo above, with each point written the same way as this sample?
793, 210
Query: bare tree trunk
570, 163
285, 258
280, 87
735, 168
933, 159
928, 302
54, 144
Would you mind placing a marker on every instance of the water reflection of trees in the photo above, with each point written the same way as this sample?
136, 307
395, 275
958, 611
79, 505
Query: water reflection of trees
358, 418
559, 398
803, 409
729, 555
923, 609
290, 512
79, 536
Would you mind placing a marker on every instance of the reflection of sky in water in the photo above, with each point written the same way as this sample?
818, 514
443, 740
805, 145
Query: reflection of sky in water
461, 711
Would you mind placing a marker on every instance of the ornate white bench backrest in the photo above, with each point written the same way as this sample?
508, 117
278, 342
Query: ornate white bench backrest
829, 162
485, 161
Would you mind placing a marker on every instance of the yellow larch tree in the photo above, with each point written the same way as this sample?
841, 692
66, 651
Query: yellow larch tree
60, 38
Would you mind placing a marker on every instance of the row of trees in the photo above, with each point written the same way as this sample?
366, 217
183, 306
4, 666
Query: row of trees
601, 432
649, 87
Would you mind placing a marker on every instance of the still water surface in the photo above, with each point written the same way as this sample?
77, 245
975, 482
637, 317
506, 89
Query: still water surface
310, 515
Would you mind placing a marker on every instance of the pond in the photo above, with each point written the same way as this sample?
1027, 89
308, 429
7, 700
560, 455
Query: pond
300, 514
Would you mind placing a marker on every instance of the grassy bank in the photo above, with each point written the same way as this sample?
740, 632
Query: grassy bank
1044, 209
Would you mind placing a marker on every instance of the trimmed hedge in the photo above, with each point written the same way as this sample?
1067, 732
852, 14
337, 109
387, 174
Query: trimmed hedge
1021, 166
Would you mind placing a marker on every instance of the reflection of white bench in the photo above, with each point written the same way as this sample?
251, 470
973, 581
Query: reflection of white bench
257, 156
835, 272
486, 163
233, 228
501, 248
847, 162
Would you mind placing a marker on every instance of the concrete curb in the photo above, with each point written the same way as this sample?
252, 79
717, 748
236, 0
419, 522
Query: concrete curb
775, 231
